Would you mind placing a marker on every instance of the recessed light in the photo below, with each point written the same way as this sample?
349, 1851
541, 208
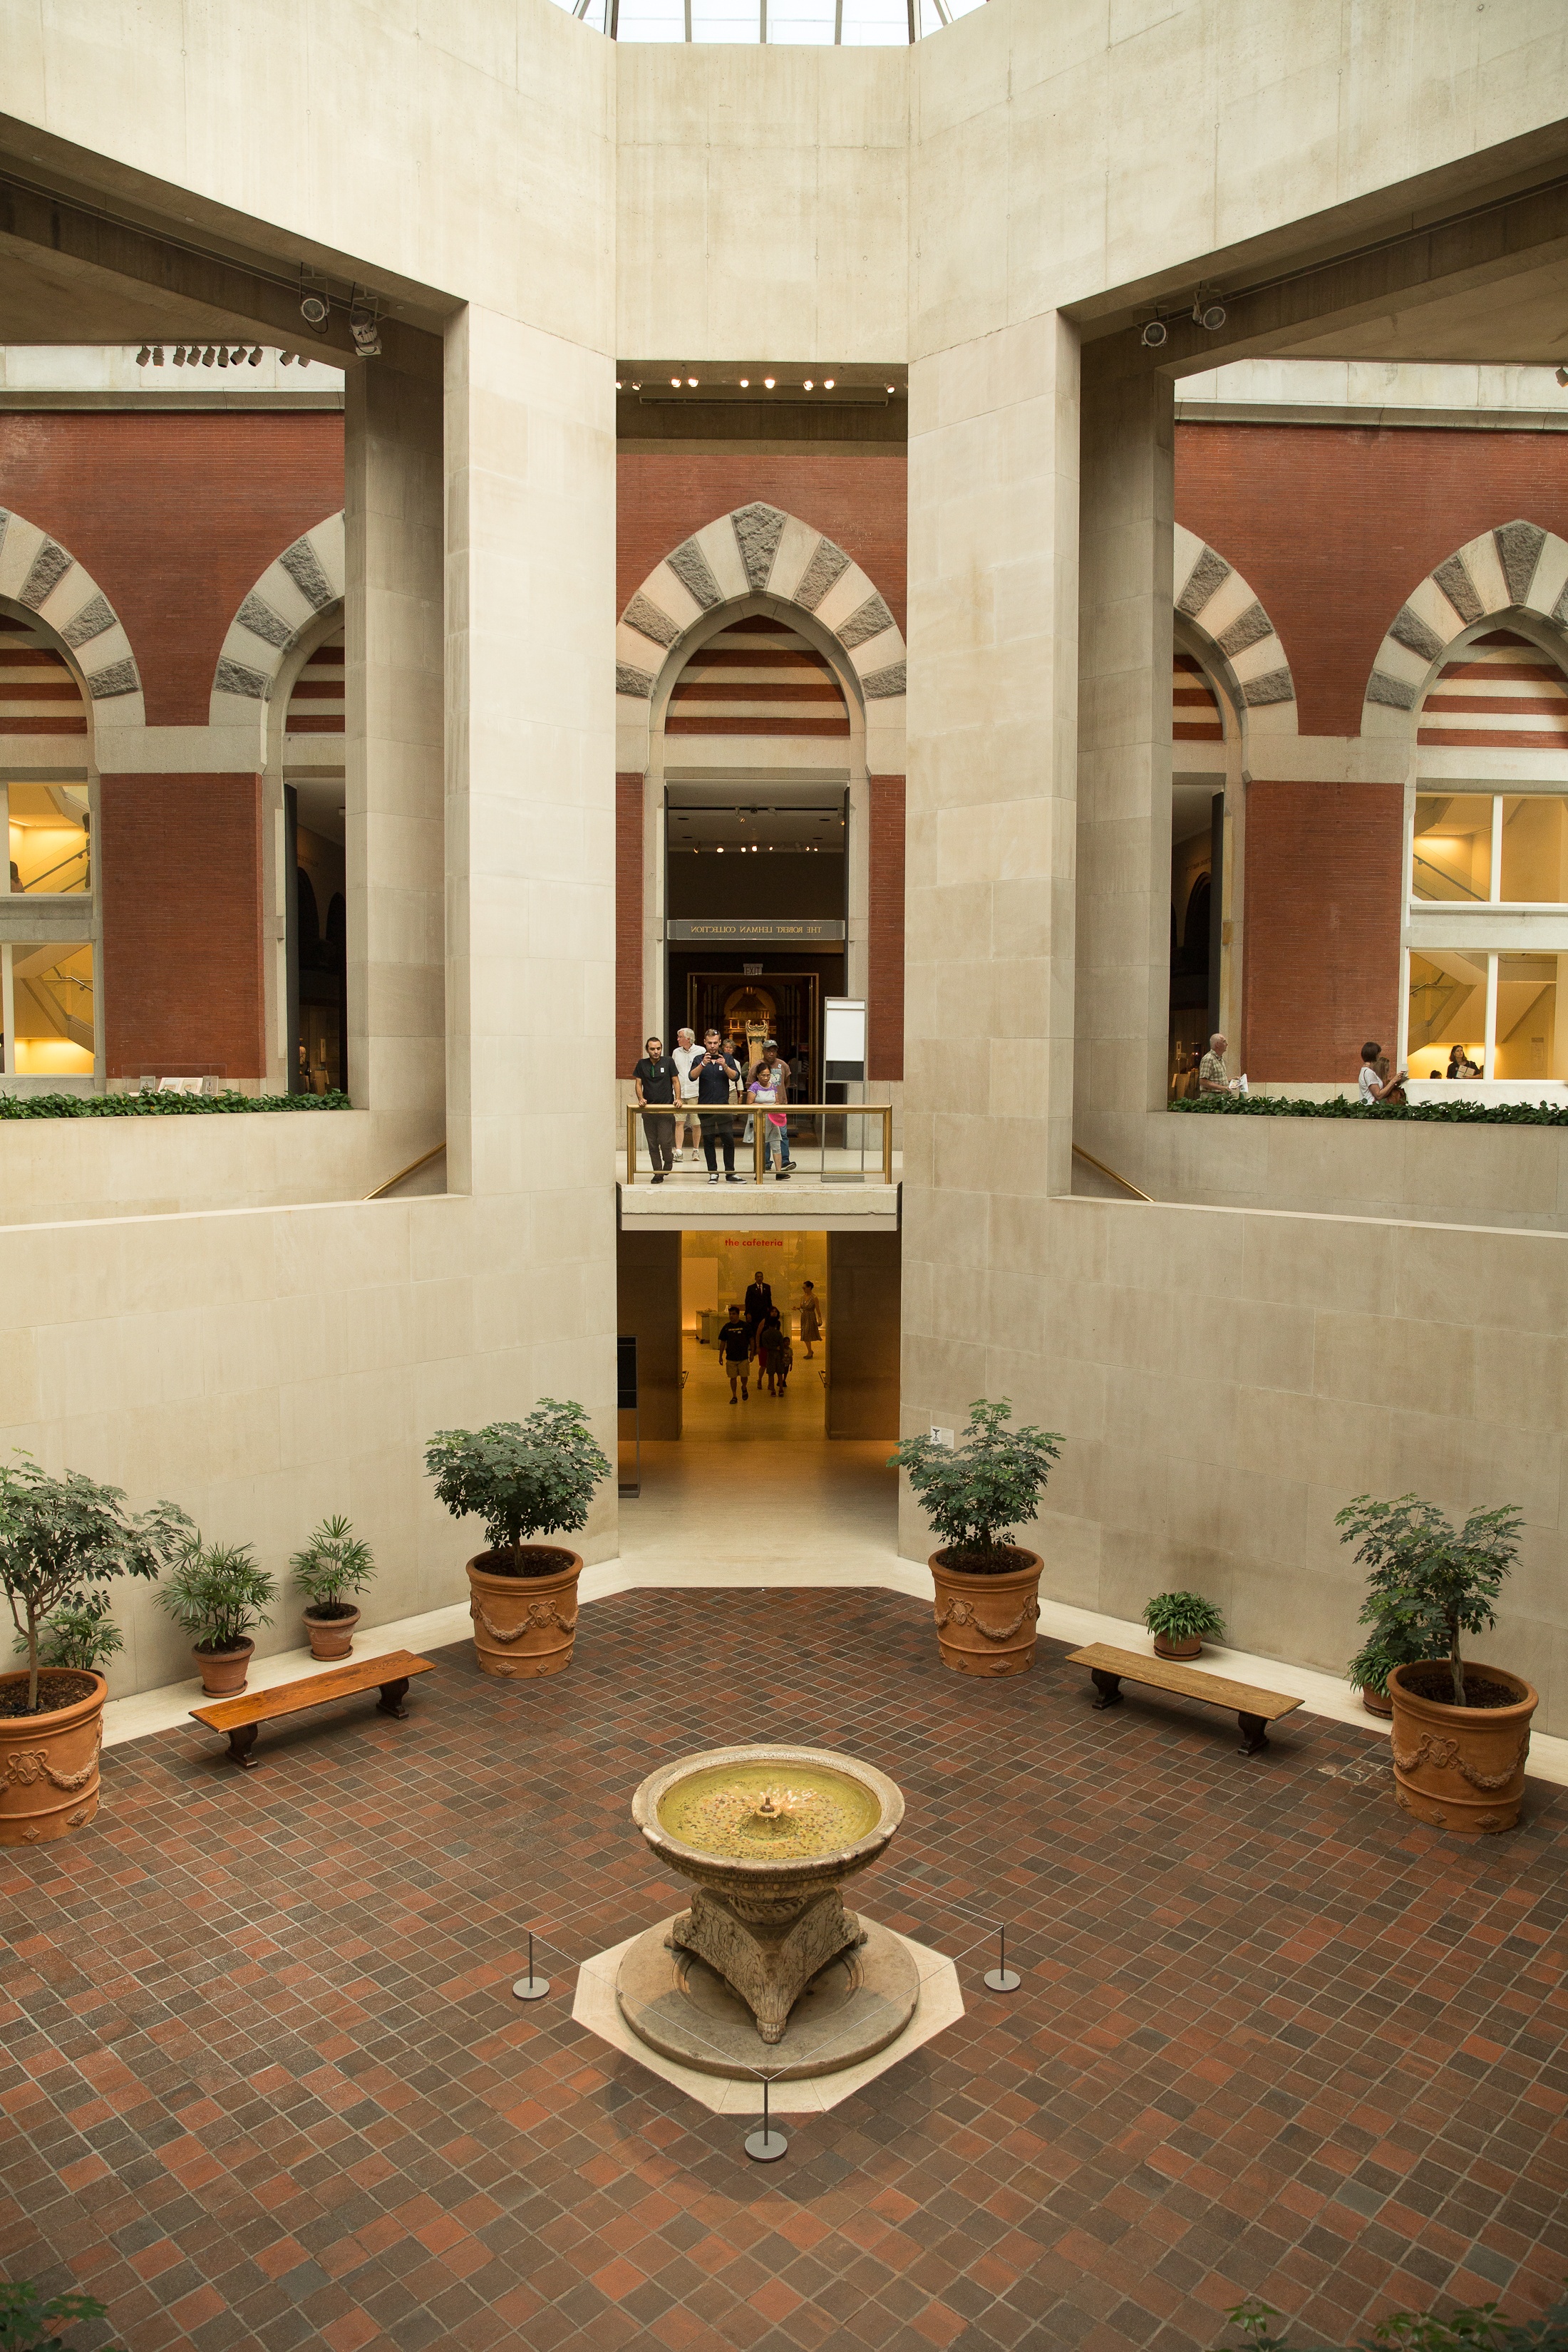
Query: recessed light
828, 383
675, 380
691, 380
768, 382
809, 385
745, 383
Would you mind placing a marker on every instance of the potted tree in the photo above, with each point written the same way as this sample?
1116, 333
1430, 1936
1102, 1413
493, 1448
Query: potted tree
334, 1563
1461, 1730
1179, 1622
62, 1541
974, 1494
521, 1478
217, 1594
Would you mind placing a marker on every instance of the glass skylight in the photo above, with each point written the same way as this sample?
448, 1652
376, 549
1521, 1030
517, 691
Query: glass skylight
855, 24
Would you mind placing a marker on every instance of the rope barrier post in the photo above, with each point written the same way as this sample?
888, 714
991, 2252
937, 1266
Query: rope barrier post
765, 2147
1002, 1978
530, 1987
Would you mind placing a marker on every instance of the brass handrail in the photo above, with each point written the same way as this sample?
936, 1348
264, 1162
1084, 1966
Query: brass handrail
757, 1113
1126, 1183
412, 1169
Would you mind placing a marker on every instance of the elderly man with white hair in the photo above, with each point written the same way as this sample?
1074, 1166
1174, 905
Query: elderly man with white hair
687, 1051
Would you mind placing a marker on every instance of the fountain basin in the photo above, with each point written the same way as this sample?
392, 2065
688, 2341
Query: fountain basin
768, 1835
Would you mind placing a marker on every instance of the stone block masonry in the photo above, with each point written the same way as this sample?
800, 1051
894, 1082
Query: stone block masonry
628, 922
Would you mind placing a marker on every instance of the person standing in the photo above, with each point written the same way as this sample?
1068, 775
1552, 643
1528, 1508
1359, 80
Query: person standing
1213, 1077
759, 1299
810, 1319
736, 1346
656, 1081
687, 1051
770, 1351
716, 1072
769, 1081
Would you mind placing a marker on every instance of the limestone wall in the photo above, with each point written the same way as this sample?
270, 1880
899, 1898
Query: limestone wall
263, 1368
1227, 1380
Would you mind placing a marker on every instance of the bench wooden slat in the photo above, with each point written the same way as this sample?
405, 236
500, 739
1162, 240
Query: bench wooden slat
1255, 1708
311, 1690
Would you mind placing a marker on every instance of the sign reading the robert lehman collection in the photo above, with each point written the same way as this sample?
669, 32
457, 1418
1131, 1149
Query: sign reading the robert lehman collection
804, 930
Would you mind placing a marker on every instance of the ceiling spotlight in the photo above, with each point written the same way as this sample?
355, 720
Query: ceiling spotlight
745, 383
1155, 334
809, 385
720, 849
691, 380
209, 355
619, 385
179, 355
1209, 314
636, 386
1562, 376
314, 309
157, 354
222, 355
675, 380
366, 333
286, 358
143, 355
768, 382
828, 383
256, 356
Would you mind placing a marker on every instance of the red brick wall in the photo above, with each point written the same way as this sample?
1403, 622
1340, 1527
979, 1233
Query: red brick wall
1321, 959
180, 862
174, 514
861, 501
1334, 526
885, 938
628, 922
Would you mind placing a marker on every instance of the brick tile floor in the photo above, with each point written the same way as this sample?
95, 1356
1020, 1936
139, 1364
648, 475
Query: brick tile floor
264, 2083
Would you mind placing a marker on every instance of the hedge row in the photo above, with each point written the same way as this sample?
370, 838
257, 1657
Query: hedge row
151, 1105
1447, 1114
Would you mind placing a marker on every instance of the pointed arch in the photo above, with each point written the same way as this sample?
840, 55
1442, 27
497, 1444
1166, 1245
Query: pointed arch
1242, 645
759, 558
280, 609
1517, 569
45, 579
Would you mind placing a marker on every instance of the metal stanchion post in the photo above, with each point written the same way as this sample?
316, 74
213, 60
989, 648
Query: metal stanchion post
767, 2145
530, 1987
1002, 1978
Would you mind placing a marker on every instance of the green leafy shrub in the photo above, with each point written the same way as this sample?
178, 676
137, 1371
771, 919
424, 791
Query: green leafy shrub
218, 1594
1446, 1114
975, 1493
1469, 2327
1184, 1617
152, 1106
29, 2325
1429, 1583
64, 1537
523, 1478
334, 1563
1388, 1645
81, 1634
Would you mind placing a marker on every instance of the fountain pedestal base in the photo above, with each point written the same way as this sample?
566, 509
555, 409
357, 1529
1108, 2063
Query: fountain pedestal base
767, 1948
849, 2008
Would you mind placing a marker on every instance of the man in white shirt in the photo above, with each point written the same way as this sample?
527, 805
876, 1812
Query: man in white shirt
687, 1051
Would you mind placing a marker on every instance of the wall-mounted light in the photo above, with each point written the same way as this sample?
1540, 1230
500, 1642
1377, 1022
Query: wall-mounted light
256, 356
143, 355
1209, 313
1155, 335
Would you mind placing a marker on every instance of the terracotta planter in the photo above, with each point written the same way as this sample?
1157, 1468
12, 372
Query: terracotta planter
1377, 1703
1166, 1646
1460, 1767
524, 1626
223, 1671
330, 1637
985, 1624
48, 1763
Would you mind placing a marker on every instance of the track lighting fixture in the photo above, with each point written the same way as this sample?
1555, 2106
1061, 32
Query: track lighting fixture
364, 326
1562, 376
143, 355
768, 381
1209, 313
222, 355
314, 309
209, 355
285, 359
1155, 334
256, 356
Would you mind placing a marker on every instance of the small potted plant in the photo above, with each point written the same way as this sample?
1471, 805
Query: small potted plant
1179, 1622
217, 1594
521, 1478
334, 1563
28, 2324
1460, 1731
974, 1494
62, 1541
1389, 1644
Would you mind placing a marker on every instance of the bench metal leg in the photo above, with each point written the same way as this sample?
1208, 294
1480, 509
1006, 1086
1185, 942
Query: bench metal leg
392, 1698
1108, 1684
1254, 1733
240, 1743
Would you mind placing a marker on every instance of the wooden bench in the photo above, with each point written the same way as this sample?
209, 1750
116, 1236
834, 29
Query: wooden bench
241, 1718
1255, 1709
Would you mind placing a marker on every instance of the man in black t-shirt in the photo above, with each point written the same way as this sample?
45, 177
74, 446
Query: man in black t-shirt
736, 1341
715, 1074
658, 1080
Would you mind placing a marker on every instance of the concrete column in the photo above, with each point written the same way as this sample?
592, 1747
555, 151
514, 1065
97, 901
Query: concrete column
994, 431
1125, 758
530, 833
393, 750
863, 1354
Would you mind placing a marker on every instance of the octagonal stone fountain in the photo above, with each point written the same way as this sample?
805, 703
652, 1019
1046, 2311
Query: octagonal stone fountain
767, 1972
